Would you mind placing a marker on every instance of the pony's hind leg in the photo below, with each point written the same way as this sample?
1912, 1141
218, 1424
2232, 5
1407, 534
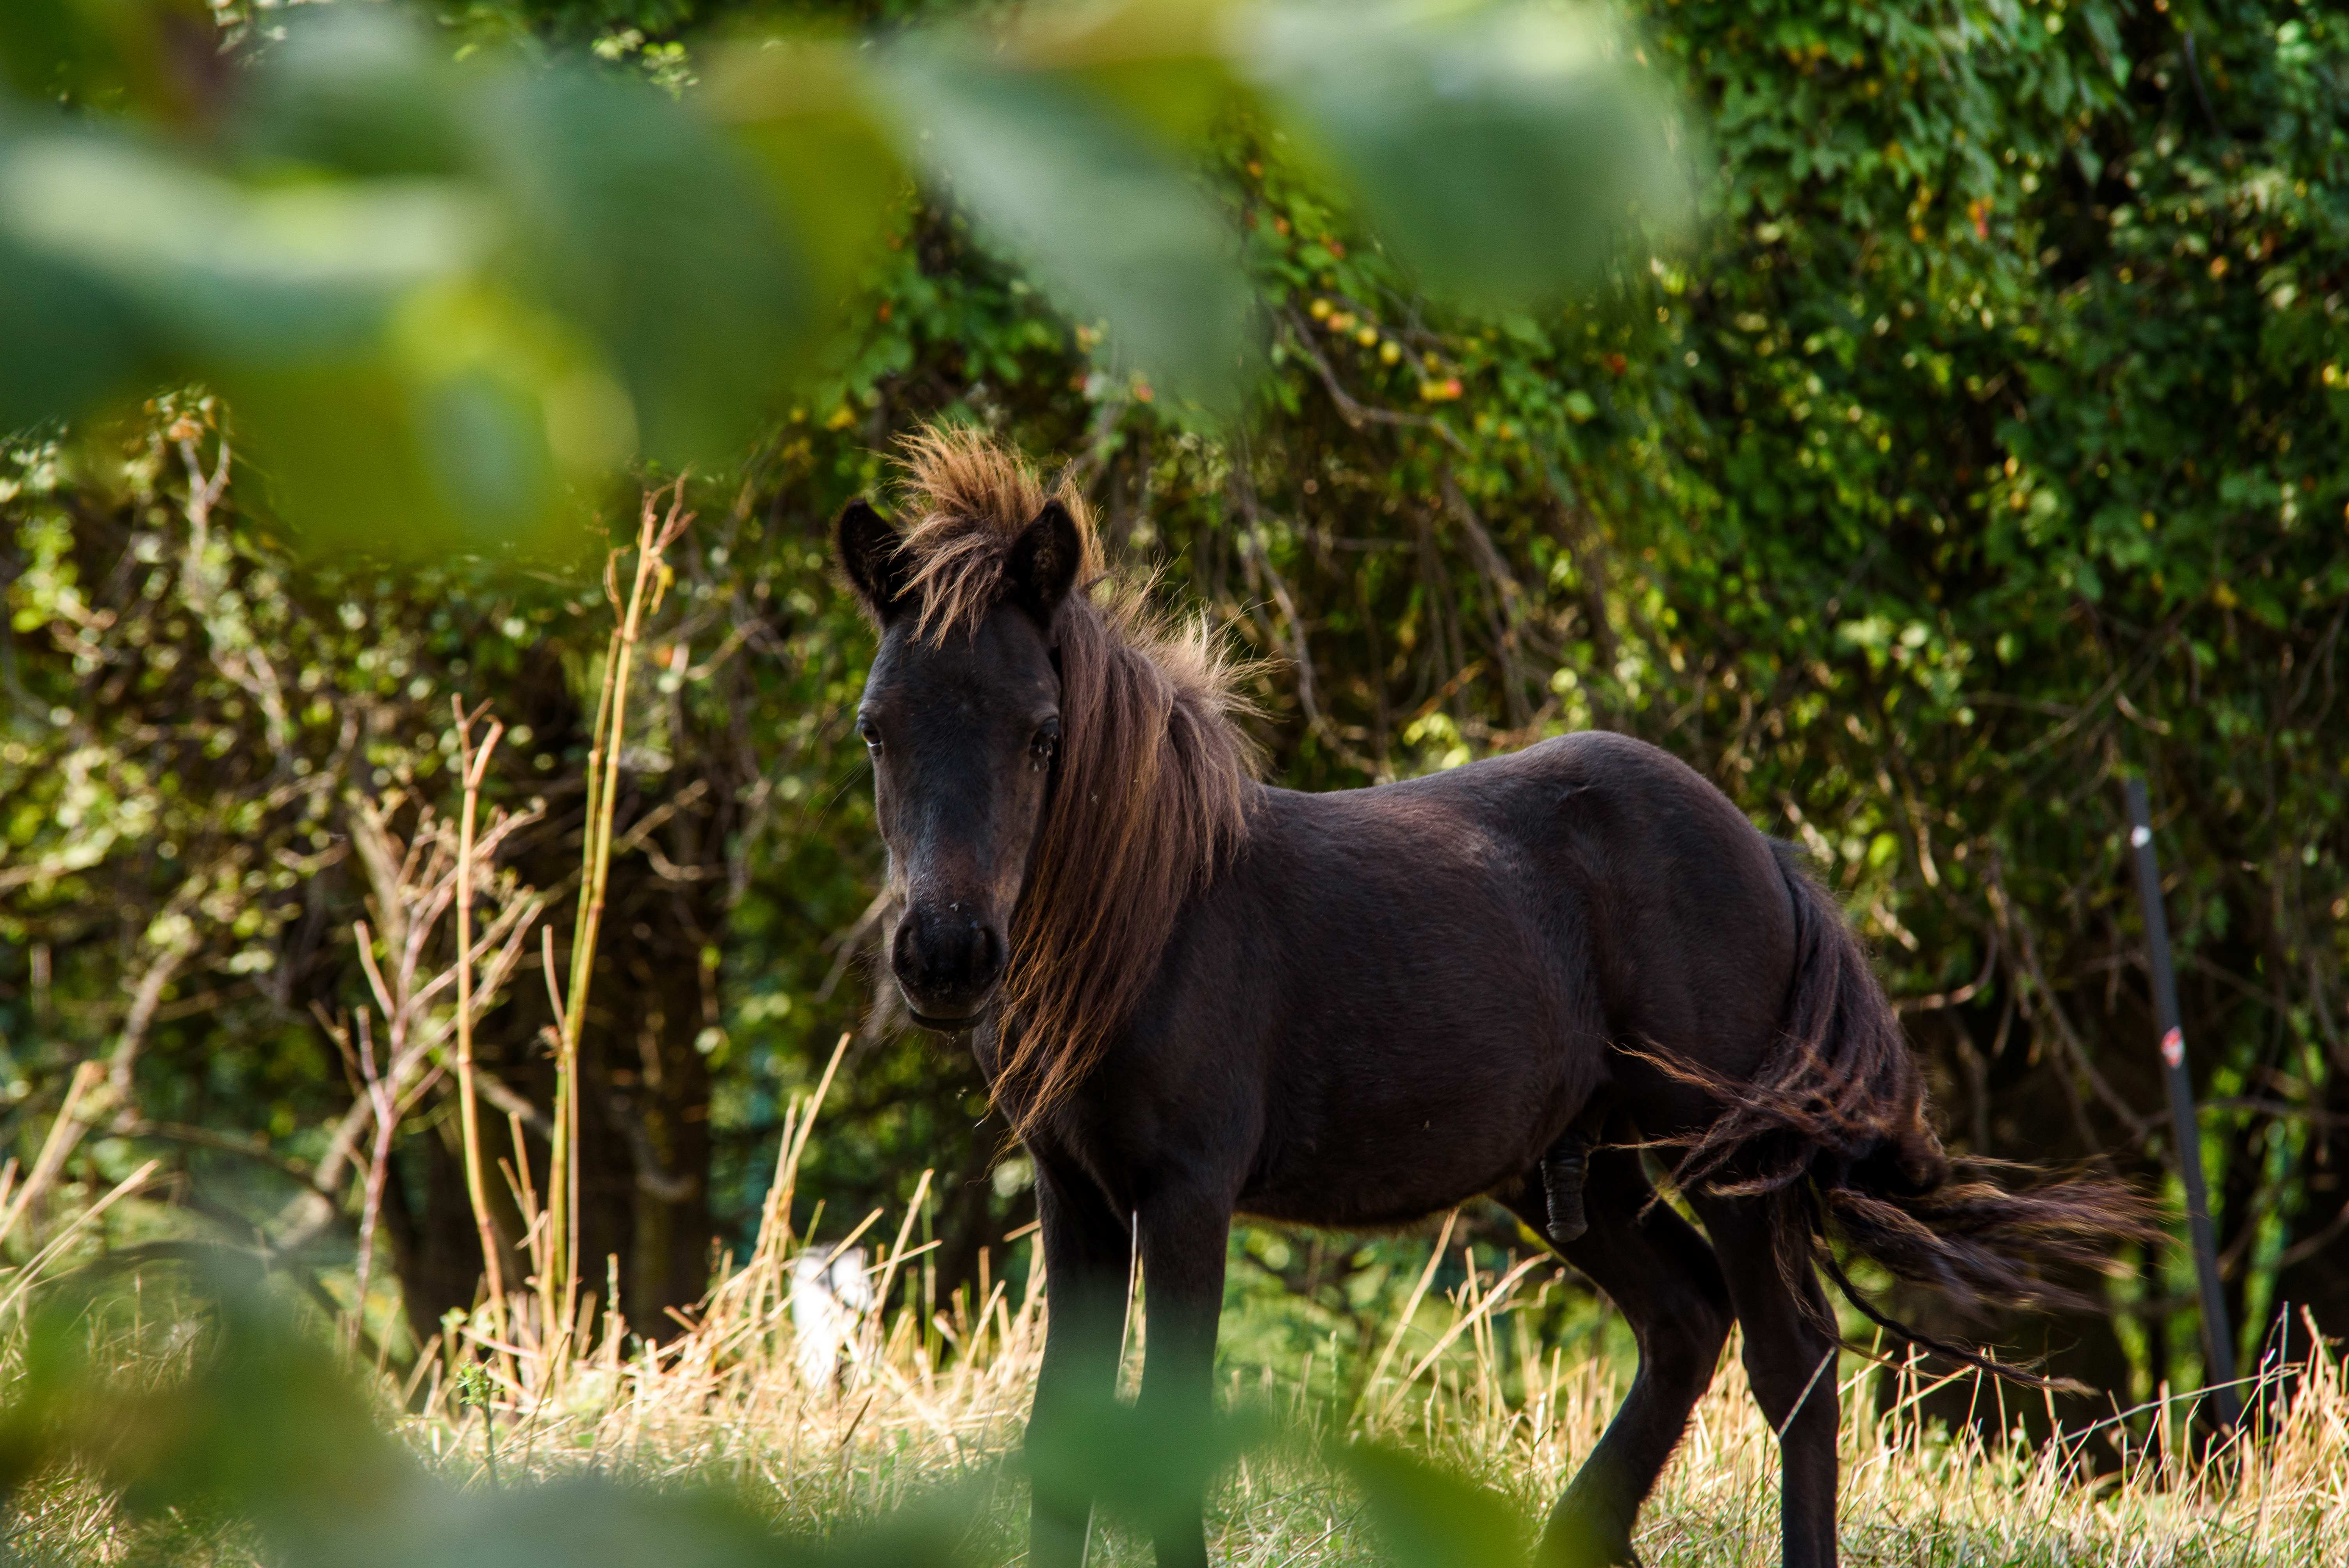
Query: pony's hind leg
1790, 1357
1660, 1274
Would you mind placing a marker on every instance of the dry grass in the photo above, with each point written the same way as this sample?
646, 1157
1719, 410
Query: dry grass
922, 1407
915, 1412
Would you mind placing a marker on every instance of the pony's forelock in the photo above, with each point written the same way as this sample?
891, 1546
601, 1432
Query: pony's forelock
966, 501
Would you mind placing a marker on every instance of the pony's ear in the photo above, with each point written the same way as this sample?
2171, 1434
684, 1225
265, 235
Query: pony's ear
1042, 565
868, 551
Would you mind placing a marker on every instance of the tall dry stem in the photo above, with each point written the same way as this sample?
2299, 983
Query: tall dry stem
655, 531
387, 1124
475, 763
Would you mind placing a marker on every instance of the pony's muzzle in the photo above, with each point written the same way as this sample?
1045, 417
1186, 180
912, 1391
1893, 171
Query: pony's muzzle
947, 961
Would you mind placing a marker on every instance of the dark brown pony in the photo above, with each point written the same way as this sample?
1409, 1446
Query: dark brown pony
1195, 995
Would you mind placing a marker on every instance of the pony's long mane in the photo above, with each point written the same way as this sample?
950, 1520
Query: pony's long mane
1150, 788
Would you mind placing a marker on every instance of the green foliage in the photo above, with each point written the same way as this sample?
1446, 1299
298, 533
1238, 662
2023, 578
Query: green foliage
441, 295
1936, 491
436, 294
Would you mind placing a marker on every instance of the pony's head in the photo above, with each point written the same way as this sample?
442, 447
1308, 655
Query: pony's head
962, 710
1055, 767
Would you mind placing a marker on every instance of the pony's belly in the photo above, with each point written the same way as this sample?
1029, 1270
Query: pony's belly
1395, 1169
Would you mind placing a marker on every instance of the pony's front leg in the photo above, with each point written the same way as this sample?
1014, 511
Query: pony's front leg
1184, 1236
1087, 1256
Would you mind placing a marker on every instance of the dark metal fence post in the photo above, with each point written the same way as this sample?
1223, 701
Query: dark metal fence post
2218, 1339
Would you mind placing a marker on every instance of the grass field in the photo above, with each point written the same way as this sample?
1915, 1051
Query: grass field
933, 1412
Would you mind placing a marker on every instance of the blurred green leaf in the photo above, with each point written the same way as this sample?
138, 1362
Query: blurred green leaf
588, 1521
1164, 62
641, 223
395, 398
582, 1522
800, 106
222, 271
1142, 1463
1111, 229
1429, 1518
263, 1424
1501, 150
458, 428
72, 340
359, 91
444, 299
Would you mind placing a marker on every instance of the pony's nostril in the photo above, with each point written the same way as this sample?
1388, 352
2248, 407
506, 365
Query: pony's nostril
944, 955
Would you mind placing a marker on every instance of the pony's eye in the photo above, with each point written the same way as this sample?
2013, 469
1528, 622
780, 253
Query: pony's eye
865, 728
1046, 741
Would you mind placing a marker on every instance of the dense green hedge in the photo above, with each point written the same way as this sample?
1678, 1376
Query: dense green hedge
1989, 445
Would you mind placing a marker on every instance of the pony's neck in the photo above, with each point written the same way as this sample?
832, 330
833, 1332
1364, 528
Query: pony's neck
1153, 796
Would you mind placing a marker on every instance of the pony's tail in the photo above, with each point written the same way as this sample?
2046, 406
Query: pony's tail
1835, 1119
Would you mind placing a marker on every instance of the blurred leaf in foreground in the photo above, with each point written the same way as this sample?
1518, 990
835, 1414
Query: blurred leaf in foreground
1504, 152
1110, 227
446, 299
260, 1423
392, 394
440, 299
356, 91
1431, 1517
801, 106
642, 224
1138, 1462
